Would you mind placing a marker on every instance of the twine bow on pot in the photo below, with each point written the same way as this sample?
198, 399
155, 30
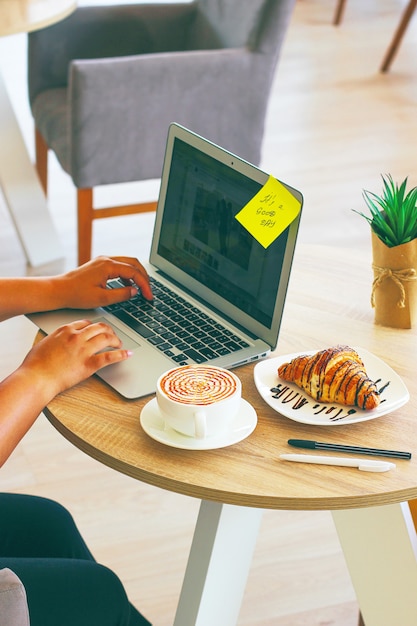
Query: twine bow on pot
398, 276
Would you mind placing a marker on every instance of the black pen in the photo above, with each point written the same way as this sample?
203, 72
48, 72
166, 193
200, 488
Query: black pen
316, 445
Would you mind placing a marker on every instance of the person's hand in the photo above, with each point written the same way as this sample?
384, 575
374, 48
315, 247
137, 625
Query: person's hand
71, 354
85, 287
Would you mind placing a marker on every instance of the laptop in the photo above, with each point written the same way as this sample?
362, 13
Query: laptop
219, 289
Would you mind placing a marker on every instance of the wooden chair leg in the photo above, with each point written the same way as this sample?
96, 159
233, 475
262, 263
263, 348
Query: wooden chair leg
85, 224
85, 210
413, 510
340, 9
41, 160
386, 63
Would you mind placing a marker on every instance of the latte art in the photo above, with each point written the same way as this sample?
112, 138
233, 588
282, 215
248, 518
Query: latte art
199, 385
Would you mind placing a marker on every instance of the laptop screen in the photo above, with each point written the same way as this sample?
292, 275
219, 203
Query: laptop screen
200, 235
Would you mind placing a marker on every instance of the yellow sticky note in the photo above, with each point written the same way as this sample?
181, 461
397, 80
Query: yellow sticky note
269, 212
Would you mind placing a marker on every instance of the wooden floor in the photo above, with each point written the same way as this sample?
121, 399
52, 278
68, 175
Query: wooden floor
335, 124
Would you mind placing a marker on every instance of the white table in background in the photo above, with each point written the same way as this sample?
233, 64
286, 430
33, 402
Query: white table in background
18, 179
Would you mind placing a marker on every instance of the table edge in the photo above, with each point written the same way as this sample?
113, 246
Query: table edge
236, 499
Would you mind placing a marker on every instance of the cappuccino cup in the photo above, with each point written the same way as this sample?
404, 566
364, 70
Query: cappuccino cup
198, 400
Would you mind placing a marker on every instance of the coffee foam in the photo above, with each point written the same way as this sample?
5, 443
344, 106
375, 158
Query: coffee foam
200, 385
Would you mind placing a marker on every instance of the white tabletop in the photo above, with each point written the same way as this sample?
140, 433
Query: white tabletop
19, 182
18, 16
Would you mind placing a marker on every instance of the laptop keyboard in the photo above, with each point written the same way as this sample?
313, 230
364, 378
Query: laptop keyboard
175, 327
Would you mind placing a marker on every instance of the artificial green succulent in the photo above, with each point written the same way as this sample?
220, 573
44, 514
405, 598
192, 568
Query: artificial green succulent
393, 214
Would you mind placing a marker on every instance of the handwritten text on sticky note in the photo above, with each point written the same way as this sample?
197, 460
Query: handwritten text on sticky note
269, 212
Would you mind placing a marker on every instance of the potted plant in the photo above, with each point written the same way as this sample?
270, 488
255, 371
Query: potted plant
393, 222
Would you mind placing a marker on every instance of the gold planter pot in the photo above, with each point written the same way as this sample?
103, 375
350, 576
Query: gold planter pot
394, 290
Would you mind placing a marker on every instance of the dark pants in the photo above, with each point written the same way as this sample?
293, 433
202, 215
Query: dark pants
64, 585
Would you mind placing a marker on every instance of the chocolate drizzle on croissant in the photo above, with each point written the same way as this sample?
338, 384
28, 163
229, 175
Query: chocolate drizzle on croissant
333, 375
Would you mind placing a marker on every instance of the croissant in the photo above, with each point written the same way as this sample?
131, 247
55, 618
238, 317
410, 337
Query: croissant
333, 375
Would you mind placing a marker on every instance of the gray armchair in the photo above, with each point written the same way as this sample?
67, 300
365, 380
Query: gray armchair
105, 84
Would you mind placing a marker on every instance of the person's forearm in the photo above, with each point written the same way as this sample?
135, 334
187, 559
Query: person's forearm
82, 288
21, 403
29, 295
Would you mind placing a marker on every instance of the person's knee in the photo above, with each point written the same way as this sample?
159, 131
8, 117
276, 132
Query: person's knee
36, 508
53, 511
32, 526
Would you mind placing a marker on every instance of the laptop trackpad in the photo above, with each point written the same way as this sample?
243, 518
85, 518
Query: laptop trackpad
127, 342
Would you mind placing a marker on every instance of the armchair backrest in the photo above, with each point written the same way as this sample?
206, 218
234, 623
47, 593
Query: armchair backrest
126, 30
213, 74
224, 23
255, 24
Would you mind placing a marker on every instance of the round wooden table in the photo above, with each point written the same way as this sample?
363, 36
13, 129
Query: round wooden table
328, 303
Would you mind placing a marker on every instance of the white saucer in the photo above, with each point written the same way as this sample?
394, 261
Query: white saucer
153, 424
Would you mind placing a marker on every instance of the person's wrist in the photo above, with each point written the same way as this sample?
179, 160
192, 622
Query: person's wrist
59, 291
41, 386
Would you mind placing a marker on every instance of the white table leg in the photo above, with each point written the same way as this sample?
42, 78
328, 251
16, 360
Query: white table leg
218, 565
22, 190
379, 544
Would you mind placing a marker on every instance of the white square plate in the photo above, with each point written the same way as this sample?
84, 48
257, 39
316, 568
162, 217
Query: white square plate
292, 402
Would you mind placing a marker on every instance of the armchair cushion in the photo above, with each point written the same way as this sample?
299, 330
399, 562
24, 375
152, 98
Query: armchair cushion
13, 604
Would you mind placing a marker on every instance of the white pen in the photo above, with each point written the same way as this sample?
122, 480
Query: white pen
362, 464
